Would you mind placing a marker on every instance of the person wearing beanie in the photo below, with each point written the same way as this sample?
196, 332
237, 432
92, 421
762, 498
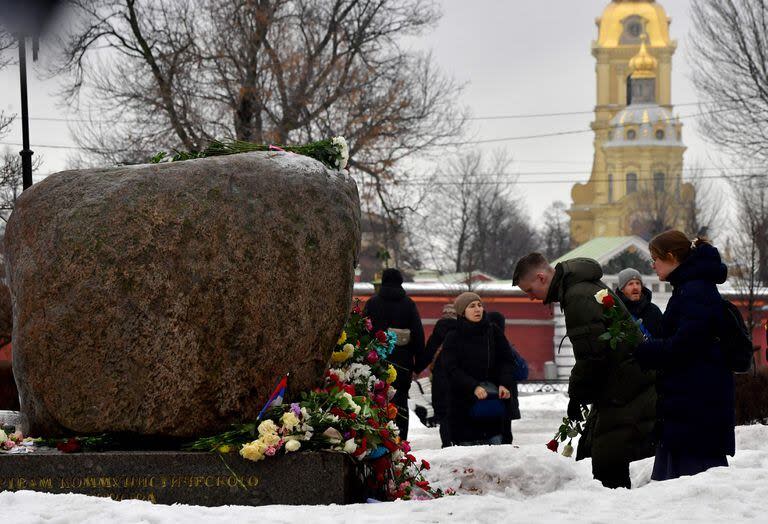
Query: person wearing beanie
391, 308
637, 298
480, 368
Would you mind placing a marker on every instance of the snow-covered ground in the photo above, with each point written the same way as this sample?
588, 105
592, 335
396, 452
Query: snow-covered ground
523, 482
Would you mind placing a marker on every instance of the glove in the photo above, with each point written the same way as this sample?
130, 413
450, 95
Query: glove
574, 411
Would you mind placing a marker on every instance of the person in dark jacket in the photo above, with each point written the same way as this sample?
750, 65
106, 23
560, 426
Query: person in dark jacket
637, 299
440, 385
695, 384
513, 404
619, 428
389, 309
480, 367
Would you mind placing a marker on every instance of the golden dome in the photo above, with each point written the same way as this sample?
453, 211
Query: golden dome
643, 65
611, 23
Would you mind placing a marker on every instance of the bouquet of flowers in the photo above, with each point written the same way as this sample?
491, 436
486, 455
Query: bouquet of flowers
621, 326
333, 152
352, 413
568, 430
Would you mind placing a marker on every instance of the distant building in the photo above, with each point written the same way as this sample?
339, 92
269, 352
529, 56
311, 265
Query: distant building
638, 148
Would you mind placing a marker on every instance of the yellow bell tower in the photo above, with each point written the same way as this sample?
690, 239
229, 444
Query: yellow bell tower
638, 149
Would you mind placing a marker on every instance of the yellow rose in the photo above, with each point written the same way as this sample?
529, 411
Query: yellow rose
292, 445
391, 374
270, 439
253, 450
342, 338
289, 420
267, 427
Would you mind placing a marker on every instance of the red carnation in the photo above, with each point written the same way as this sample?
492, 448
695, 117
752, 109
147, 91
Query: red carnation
70, 446
391, 446
552, 445
381, 337
608, 302
410, 458
425, 464
423, 484
349, 388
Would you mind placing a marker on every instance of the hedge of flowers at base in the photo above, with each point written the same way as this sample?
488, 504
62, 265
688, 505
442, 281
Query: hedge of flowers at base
351, 413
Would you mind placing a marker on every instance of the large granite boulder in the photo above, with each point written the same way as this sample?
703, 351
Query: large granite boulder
167, 299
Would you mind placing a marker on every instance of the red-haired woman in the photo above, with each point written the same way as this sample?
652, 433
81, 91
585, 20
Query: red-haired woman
695, 408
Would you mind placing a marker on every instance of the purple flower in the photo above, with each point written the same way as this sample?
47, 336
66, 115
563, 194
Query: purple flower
296, 409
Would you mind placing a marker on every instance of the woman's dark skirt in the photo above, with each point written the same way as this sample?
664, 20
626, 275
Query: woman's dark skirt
671, 465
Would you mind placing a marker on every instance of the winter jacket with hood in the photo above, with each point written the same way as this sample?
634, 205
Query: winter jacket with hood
695, 385
622, 395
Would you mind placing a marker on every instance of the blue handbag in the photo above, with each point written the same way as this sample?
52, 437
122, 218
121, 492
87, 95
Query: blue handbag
489, 407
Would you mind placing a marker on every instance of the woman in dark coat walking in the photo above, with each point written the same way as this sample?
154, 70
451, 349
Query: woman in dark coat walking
480, 367
391, 308
695, 407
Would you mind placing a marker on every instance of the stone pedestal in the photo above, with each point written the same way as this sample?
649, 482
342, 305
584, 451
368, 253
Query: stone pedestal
204, 479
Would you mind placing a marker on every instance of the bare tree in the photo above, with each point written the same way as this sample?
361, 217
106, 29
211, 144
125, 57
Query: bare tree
703, 214
750, 246
729, 45
11, 182
471, 222
176, 74
555, 231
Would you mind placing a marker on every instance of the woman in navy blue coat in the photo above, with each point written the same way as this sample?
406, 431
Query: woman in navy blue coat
695, 407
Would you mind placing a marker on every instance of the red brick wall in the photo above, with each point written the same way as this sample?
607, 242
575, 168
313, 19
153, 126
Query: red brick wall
529, 324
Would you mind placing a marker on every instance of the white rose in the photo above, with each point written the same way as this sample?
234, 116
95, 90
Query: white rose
3, 436
292, 445
600, 295
350, 446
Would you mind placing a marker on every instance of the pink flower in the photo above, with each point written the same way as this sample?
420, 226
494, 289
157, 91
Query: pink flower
405, 446
368, 324
9, 444
270, 451
372, 357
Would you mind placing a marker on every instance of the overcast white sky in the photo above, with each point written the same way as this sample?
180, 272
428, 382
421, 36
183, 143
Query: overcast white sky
516, 57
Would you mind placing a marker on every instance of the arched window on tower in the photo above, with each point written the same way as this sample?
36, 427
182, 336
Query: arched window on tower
631, 183
658, 182
610, 188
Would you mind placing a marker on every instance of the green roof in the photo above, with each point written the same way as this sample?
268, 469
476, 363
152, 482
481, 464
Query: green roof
603, 249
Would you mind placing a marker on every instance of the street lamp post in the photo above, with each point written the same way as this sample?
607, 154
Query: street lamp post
26, 153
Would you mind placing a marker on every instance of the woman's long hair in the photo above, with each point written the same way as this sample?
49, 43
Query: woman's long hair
674, 243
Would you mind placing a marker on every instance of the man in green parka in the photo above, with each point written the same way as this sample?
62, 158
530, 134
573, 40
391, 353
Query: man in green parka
619, 428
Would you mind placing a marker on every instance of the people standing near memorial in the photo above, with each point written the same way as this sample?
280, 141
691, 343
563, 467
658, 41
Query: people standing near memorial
619, 428
695, 384
637, 298
391, 309
480, 368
